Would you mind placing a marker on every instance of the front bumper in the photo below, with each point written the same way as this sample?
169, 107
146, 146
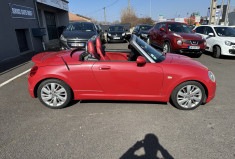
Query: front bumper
185, 46
211, 91
73, 43
189, 51
114, 38
228, 50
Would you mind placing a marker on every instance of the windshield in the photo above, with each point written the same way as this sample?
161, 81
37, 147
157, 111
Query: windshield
81, 27
225, 31
116, 28
179, 28
153, 53
145, 28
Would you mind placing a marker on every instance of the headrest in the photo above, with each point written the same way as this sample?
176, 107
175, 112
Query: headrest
98, 43
90, 47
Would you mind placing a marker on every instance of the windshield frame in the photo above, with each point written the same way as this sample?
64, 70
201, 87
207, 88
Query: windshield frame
134, 42
231, 29
182, 24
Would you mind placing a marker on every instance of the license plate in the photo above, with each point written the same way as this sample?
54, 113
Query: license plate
194, 47
116, 38
77, 44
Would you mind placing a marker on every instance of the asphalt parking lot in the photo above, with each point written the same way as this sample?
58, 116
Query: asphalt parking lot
116, 129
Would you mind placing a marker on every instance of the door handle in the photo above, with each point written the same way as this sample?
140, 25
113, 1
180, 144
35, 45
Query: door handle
104, 67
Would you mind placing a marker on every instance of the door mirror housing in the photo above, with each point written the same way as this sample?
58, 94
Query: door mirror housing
141, 61
211, 34
162, 29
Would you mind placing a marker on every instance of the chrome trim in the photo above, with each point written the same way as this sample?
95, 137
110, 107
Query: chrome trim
142, 51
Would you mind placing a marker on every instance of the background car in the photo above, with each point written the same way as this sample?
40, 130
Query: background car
177, 37
116, 33
141, 74
77, 34
220, 39
142, 31
100, 32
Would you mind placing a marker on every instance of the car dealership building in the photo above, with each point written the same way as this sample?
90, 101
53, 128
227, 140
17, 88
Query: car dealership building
26, 25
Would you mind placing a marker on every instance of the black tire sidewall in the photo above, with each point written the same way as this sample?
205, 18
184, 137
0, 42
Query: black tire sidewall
66, 87
174, 93
218, 52
168, 47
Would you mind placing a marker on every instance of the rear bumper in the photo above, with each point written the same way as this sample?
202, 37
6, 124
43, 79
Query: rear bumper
30, 88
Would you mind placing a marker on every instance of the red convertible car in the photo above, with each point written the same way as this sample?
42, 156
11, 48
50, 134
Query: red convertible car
139, 73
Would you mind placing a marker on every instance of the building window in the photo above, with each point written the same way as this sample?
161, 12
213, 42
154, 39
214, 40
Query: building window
51, 25
22, 40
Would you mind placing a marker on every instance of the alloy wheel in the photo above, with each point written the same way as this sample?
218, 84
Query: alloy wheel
165, 48
189, 96
54, 94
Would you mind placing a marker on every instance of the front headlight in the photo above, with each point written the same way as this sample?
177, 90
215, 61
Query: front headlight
179, 42
123, 34
211, 76
144, 35
63, 38
205, 43
228, 43
177, 35
109, 34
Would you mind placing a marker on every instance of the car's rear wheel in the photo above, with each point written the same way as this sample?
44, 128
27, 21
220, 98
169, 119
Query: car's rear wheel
166, 47
188, 95
54, 93
216, 52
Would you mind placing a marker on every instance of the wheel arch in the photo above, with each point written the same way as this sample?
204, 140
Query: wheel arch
204, 86
39, 82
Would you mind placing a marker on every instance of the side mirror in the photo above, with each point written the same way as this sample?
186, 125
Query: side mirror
211, 34
162, 29
194, 31
141, 61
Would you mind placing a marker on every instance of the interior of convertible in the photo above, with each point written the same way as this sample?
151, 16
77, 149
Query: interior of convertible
96, 52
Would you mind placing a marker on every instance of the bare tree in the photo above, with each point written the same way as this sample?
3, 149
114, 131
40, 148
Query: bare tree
131, 17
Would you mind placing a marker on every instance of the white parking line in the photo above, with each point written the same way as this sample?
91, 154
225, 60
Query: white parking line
13, 78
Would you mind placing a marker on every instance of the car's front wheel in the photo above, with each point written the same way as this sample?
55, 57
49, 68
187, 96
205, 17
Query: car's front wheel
188, 95
148, 41
166, 47
216, 52
54, 93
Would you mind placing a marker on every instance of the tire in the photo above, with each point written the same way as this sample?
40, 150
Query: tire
56, 98
148, 41
216, 52
182, 97
166, 47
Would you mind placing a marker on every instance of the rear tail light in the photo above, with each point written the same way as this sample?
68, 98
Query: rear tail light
33, 71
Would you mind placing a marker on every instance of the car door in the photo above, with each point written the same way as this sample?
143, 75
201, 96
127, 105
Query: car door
126, 78
209, 39
161, 35
154, 33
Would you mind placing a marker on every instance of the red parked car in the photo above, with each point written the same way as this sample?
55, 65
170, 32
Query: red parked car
176, 37
140, 73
